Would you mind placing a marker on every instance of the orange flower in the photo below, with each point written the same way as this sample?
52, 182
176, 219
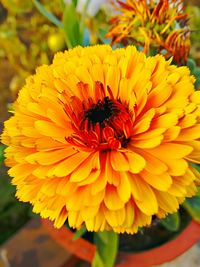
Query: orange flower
160, 24
105, 138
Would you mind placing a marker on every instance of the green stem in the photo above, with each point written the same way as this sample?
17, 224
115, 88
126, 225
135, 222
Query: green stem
106, 249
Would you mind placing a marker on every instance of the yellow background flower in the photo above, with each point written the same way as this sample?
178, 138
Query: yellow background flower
105, 138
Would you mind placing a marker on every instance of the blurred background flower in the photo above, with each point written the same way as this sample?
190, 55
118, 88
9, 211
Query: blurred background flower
161, 26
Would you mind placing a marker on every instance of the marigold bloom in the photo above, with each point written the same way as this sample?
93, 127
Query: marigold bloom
161, 24
105, 138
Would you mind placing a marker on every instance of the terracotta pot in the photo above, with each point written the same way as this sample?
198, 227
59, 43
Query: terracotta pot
165, 253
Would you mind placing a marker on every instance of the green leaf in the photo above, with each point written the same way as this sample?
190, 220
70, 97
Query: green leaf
196, 72
197, 83
171, 222
104, 237
102, 36
73, 34
106, 249
62, 5
196, 166
198, 192
75, 2
192, 205
47, 14
191, 64
79, 233
2, 147
97, 261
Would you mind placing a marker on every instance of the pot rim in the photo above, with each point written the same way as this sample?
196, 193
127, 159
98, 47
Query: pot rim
155, 256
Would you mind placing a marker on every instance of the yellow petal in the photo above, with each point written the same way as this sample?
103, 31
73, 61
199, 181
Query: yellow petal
188, 121
130, 214
171, 150
88, 213
140, 188
124, 187
153, 164
136, 162
190, 133
50, 157
171, 134
165, 121
177, 190
50, 129
113, 71
65, 188
70, 164
97, 73
159, 95
62, 217
92, 177
176, 167
112, 200
119, 161
150, 205
167, 202
185, 179
144, 123
99, 184
195, 97
161, 182
49, 188
148, 143
114, 218
74, 219
113, 177
150, 134
84, 169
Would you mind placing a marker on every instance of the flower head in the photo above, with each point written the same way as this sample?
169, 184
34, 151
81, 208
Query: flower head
161, 24
105, 138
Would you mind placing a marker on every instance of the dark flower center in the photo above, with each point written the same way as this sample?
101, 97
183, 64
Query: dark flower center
105, 124
101, 111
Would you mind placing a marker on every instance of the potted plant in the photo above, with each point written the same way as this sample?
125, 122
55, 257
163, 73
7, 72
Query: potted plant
107, 139
165, 252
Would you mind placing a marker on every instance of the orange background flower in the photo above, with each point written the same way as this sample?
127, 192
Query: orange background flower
161, 25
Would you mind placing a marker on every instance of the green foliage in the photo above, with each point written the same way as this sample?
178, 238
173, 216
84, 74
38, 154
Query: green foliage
97, 261
106, 249
47, 14
195, 70
13, 214
172, 222
72, 25
194, 21
17, 6
72, 28
192, 205
2, 147
79, 233
196, 166
191, 64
